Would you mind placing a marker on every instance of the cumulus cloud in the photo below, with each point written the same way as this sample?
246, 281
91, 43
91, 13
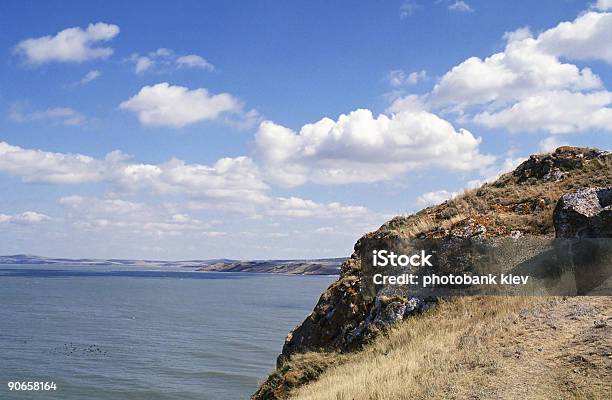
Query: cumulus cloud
460, 6
432, 198
95, 214
47, 167
585, 38
528, 88
194, 61
359, 147
230, 184
177, 106
70, 45
399, 77
520, 70
302, 208
554, 112
62, 115
24, 218
227, 179
165, 60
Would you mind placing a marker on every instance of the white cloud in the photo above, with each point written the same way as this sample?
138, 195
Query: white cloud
93, 214
165, 60
460, 6
407, 103
90, 76
228, 179
302, 208
520, 70
528, 88
400, 78
69, 45
585, 38
214, 234
551, 143
408, 7
30, 217
603, 5
360, 148
47, 167
176, 106
432, 198
142, 63
194, 61
231, 184
24, 218
554, 112
62, 115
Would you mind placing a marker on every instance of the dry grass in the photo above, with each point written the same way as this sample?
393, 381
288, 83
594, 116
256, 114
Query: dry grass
527, 206
426, 223
456, 351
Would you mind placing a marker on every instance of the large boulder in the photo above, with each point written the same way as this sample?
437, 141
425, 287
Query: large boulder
583, 226
585, 213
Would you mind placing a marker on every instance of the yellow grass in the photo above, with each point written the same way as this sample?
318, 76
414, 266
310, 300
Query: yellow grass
453, 352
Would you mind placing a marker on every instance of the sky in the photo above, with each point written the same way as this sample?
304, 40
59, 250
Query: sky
277, 129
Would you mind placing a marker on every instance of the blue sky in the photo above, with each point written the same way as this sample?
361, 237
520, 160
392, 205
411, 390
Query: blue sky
277, 129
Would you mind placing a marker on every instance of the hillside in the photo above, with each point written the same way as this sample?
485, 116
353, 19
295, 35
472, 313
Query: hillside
325, 266
355, 347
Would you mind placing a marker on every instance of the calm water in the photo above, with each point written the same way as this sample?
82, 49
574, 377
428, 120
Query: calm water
134, 334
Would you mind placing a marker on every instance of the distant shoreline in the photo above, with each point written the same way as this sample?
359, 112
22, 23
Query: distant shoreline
323, 266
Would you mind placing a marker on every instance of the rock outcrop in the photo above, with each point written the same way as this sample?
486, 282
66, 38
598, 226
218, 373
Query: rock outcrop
583, 227
585, 213
555, 166
518, 203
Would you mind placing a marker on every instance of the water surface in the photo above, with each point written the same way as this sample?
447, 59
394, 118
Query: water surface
126, 333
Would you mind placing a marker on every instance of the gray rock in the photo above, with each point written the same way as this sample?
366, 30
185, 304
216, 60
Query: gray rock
586, 213
385, 312
583, 226
554, 167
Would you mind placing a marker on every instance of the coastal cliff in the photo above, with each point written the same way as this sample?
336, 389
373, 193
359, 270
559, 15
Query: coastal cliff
543, 197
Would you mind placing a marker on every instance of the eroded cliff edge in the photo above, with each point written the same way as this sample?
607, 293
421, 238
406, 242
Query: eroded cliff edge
519, 203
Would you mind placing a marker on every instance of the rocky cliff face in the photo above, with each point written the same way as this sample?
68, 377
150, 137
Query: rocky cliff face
518, 203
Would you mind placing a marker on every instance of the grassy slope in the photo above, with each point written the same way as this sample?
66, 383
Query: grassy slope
482, 348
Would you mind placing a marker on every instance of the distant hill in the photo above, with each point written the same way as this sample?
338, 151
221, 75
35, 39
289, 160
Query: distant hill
324, 266
327, 266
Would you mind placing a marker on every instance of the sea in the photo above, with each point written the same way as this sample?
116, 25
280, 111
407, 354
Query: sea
100, 332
